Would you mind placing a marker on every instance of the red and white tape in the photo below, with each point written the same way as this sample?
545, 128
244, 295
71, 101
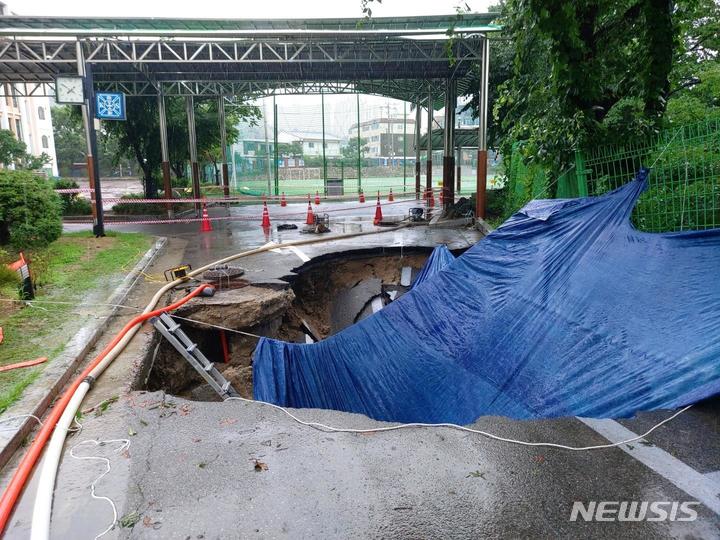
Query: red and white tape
284, 215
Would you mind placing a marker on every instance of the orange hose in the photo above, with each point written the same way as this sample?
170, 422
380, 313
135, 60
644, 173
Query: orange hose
19, 479
27, 363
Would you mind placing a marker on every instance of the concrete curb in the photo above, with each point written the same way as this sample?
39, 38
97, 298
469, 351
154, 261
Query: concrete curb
56, 375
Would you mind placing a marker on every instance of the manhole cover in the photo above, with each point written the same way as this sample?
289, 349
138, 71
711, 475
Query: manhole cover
223, 272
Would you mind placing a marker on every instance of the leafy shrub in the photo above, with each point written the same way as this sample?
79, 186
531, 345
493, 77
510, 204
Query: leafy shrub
30, 213
7, 276
71, 203
180, 182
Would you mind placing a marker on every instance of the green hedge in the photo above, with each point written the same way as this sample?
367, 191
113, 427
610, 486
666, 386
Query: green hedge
71, 203
30, 211
146, 209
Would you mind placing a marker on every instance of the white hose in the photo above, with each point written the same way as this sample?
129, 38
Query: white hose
46, 483
42, 510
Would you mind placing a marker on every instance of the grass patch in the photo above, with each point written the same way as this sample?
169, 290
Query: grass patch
71, 269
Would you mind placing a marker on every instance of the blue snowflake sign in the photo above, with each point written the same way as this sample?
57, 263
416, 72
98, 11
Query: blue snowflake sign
110, 105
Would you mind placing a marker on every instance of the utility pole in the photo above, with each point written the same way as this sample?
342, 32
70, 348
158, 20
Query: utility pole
88, 114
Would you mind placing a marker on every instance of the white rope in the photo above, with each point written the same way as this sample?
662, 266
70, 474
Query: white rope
11, 418
215, 326
125, 444
323, 427
77, 304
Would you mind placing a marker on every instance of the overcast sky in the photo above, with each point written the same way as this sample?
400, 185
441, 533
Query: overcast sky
239, 8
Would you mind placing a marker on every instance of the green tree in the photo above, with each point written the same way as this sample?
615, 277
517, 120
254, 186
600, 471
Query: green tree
695, 78
138, 136
14, 152
583, 73
351, 150
70, 145
293, 149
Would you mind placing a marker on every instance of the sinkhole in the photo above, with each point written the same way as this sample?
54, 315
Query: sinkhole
320, 298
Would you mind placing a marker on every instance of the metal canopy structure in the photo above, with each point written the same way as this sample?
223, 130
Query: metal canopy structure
423, 60
210, 57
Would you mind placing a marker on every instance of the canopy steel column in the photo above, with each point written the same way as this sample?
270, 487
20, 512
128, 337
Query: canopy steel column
359, 146
276, 150
458, 172
192, 141
418, 122
404, 146
223, 146
164, 152
322, 113
93, 168
448, 188
270, 172
482, 131
428, 181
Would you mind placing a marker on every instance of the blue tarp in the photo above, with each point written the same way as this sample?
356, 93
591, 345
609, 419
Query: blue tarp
438, 259
564, 310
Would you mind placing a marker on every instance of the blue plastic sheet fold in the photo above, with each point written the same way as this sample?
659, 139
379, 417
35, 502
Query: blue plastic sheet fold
438, 259
566, 309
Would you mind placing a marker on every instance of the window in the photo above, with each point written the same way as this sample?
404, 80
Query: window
311, 145
45, 141
18, 130
41, 114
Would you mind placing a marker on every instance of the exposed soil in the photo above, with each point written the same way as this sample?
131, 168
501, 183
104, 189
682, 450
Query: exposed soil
283, 314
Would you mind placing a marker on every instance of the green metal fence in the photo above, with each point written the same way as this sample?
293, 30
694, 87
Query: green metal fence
683, 187
684, 183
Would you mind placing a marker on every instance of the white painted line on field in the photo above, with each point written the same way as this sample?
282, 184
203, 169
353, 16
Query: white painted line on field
695, 484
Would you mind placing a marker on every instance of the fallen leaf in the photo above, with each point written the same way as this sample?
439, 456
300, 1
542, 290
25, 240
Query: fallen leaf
260, 466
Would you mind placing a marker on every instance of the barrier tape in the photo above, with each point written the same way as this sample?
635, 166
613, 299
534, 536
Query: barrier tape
284, 215
271, 198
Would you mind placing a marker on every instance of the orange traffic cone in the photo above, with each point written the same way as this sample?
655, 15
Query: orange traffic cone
430, 198
265, 216
390, 197
317, 198
362, 196
310, 220
378, 211
205, 225
283, 202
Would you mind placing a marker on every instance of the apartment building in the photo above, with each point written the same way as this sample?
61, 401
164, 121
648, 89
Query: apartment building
384, 137
30, 121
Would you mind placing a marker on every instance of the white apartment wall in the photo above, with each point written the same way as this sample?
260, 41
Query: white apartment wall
35, 132
332, 148
38, 130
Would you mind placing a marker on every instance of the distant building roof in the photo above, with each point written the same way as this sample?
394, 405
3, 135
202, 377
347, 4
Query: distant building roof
383, 121
291, 136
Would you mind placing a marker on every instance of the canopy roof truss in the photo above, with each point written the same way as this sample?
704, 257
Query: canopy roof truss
395, 57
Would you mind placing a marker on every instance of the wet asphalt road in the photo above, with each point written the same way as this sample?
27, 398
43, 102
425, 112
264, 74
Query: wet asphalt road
190, 470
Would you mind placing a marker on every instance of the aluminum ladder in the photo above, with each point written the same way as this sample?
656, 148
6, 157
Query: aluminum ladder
189, 350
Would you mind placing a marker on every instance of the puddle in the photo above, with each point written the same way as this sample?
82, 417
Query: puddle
322, 297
